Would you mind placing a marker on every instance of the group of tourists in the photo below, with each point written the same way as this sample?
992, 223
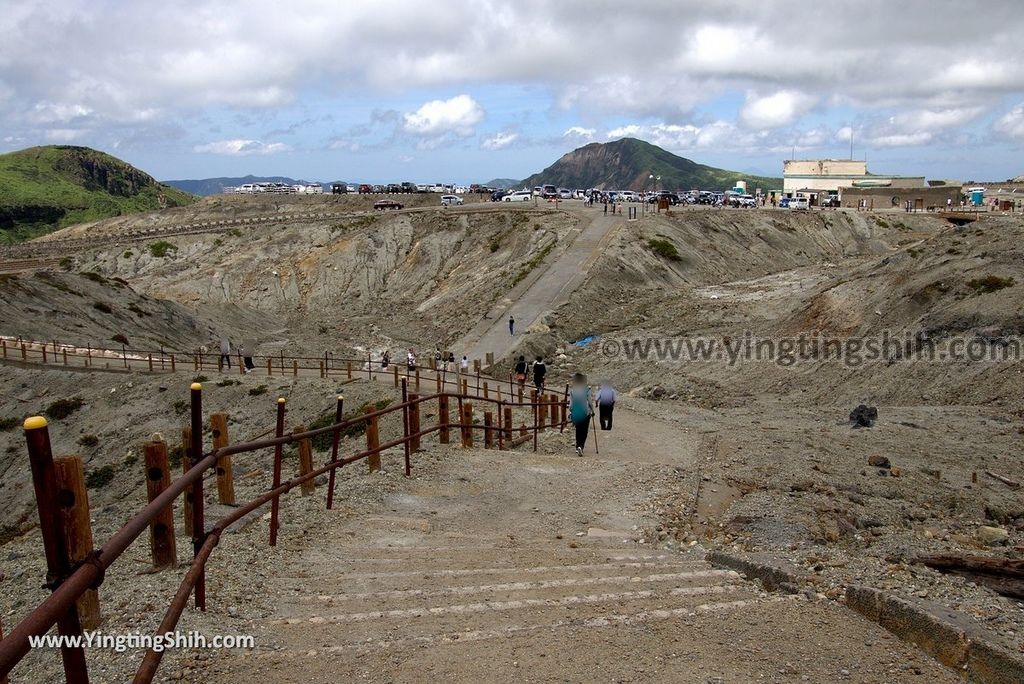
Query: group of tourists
582, 404
443, 361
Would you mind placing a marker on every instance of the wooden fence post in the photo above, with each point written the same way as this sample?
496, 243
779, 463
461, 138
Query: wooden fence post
442, 418
372, 442
270, 367
417, 378
321, 369
348, 370
225, 475
414, 422
396, 375
542, 410
295, 368
58, 565
275, 503
186, 496
162, 542
73, 499
467, 422
488, 431
305, 462
508, 423
487, 391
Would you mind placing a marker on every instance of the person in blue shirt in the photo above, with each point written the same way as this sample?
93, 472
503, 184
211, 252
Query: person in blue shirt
580, 411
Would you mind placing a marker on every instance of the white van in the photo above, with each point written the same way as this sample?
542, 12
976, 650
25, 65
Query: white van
799, 203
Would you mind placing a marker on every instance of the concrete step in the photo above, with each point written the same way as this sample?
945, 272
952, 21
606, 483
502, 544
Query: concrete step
442, 622
533, 588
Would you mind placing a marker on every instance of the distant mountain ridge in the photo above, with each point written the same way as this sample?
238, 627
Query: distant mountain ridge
214, 186
50, 187
628, 164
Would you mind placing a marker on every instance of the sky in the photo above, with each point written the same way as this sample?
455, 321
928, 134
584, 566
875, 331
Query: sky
469, 90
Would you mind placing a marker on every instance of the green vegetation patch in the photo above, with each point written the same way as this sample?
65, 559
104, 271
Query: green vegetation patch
323, 442
990, 283
100, 477
62, 408
161, 248
664, 249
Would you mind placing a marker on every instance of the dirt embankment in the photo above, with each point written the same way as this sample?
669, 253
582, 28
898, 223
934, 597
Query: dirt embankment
353, 282
107, 312
843, 275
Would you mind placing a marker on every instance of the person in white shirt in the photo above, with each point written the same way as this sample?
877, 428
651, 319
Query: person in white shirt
606, 405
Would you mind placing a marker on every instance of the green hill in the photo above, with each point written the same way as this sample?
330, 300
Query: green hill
46, 188
627, 164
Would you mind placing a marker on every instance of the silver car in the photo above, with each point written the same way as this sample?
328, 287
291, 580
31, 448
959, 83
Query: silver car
448, 200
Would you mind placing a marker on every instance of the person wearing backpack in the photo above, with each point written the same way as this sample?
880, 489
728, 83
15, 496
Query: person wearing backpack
579, 410
606, 405
539, 371
520, 371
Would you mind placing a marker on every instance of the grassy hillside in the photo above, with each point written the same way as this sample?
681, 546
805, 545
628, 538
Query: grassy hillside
46, 188
627, 164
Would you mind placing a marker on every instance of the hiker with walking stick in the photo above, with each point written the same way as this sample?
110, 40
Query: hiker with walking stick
580, 411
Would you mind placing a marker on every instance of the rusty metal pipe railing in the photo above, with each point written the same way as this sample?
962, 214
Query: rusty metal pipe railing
15, 644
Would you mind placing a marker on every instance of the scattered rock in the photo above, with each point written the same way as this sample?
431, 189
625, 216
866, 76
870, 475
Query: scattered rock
863, 416
991, 536
879, 461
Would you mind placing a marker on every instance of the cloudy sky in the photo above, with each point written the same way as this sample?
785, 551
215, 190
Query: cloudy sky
468, 90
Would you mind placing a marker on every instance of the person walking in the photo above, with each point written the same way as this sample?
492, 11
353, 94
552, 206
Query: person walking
385, 359
520, 371
605, 206
410, 360
225, 353
579, 410
511, 325
606, 396
539, 371
464, 365
246, 352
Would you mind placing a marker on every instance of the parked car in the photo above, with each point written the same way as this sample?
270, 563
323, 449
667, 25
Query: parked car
831, 201
408, 187
564, 193
549, 192
449, 200
799, 203
339, 188
386, 204
784, 203
365, 189
521, 196
497, 195
380, 189
538, 191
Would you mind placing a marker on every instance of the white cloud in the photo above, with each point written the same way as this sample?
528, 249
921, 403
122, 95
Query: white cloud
62, 135
150, 65
781, 108
241, 148
456, 115
499, 141
580, 133
1011, 123
914, 127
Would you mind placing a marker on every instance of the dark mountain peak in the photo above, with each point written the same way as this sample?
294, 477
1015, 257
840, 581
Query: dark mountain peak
629, 163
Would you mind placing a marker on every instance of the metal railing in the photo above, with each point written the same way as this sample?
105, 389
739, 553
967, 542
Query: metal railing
69, 581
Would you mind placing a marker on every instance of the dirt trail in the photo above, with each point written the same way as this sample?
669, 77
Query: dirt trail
549, 291
501, 566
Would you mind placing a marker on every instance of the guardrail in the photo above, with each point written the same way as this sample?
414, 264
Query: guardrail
328, 365
71, 576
